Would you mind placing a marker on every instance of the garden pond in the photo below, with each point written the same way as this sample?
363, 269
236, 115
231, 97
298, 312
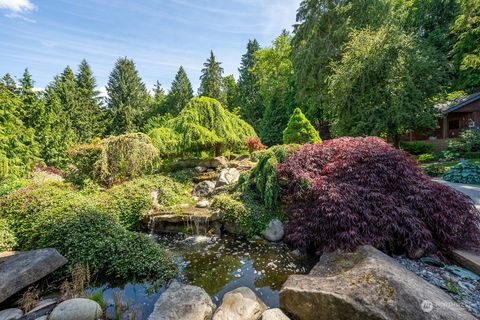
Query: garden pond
218, 265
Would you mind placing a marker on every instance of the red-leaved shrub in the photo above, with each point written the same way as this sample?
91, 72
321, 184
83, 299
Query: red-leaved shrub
254, 144
352, 191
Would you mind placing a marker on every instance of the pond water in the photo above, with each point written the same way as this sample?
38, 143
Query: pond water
218, 265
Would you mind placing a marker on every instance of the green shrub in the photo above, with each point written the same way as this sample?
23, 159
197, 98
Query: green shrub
435, 170
7, 239
467, 141
10, 184
53, 214
114, 159
448, 155
166, 141
416, 148
426, 157
472, 155
464, 172
263, 177
299, 130
131, 200
245, 210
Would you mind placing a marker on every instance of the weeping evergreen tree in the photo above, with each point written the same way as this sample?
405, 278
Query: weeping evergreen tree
89, 115
204, 125
128, 98
249, 99
180, 93
211, 84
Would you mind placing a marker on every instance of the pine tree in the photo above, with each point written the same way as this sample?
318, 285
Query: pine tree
274, 121
231, 92
89, 116
249, 99
30, 100
9, 83
211, 84
54, 130
128, 98
299, 130
158, 102
180, 93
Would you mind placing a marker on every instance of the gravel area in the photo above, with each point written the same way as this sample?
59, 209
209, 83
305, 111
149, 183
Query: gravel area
463, 290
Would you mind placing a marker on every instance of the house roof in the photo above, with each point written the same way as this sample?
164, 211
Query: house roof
457, 103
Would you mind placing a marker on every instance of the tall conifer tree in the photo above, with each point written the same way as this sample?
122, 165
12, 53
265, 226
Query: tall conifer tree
211, 84
180, 93
128, 98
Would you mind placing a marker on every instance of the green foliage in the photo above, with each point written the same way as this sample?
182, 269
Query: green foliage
467, 141
211, 84
231, 92
273, 71
416, 147
249, 99
263, 177
299, 130
52, 214
426, 157
245, 210
383, 83
11, 183
114, 159
128, 98
466, 50
472, 155
18, 148
205, 125
464, 172
166, 141
435, 170
132, 200
7, 239
180, 93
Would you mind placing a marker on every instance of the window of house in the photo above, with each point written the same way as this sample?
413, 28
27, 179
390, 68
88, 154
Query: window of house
453, 124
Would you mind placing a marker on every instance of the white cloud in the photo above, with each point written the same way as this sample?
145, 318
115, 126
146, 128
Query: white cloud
17, 8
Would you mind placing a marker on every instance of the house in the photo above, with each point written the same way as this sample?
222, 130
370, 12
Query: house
457, 115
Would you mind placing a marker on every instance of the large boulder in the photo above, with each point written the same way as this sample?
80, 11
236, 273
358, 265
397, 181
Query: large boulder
274, 231
76, 309
227, 176
274, 314
18, 270
213, 162
367, 285
203, 188
183, 302
240, 304
11, 314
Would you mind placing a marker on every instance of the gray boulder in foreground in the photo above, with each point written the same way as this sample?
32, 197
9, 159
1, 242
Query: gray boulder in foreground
76, 309
18, 270
227, 177
11, 314
183, 302
240, 304
365, 285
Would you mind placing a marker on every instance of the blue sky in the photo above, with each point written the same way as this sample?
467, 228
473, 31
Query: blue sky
47, 35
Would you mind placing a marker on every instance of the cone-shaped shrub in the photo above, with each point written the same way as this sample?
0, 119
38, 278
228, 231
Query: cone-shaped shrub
353, 191
299, 130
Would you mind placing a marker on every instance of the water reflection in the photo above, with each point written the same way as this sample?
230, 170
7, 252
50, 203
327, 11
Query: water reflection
219, 265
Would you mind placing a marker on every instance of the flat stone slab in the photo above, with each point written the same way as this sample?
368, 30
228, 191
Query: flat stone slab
467, 259
18, 270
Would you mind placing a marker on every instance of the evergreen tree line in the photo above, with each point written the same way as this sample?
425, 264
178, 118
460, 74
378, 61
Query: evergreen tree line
358, 67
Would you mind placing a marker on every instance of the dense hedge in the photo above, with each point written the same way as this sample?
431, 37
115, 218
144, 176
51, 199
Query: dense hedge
299, 130
353, 191
51, 213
